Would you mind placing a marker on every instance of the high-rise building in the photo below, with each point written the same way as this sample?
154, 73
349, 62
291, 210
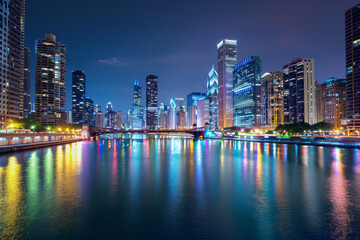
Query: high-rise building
99, 119
334, 101
151, 101
300, 92
118, 124
212, 92
163, 109
89, 111
78, 96
319, 102
352, 51
272, 99
191, 100
50, 80
247, 92
202, 112
182, 118
12, 20
172, 115
137, 108
227, 59
69, 116
27, 96
192, 117
110, 116
97, 108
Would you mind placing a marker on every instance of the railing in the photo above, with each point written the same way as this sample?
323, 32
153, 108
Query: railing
7, 139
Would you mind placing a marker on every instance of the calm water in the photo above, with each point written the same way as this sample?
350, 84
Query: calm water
176, 189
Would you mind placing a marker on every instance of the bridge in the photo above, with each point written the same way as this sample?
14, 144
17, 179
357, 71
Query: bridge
96, 132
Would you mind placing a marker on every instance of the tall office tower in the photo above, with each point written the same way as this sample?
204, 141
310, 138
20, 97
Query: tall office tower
272, 99
180, 103
109, 107
300, 91
151, 101
163, 109
352, 50
50, 80
78, 96
89, 111
191, 100
247, 92
69, 116
99, 119
182, 118
97, 108
334, 101
172, 115
192, 117
12, 20
118, 124
227, 59
212, 94
110, 116
202, 112
27, 96
319, 102
137, 108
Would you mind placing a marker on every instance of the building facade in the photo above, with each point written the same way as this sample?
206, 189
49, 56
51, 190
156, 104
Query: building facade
27, 78
89, 111
151, 101
181, 118
212, 91
352, 54
202, 113
118, 124
191, 100
99, 119
137, 108
334, 100
300, 92
247, 92
78, 96
50, 81
227, 58
12, 19
272, 99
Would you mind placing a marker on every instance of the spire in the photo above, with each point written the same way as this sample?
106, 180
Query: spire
136, 81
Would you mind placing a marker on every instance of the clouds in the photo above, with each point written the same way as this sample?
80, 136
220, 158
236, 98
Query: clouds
114, 61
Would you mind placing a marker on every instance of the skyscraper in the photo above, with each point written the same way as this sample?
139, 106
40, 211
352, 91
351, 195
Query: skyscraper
247, 92
78, 96
27, 97
191, 100
151, 101
50, 80
118, 124
89, 111
334, 100
272, 99
182, 118
110, 116
212, 94
300, 92
227, 59
137, 108
163, 117
352, 51
12, 20
202, 112
99, 119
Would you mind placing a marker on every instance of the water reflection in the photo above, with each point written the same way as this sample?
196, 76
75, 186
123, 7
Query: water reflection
194, 189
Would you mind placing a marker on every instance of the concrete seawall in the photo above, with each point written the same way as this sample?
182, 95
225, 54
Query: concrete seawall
28, 146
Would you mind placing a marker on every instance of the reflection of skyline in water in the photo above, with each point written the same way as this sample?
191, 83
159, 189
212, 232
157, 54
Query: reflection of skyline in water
198, 188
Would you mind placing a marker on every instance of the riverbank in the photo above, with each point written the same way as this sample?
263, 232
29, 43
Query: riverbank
28, 146
347, 142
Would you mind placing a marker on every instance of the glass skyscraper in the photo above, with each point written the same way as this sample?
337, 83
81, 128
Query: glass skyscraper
247, 92
151, 101
78, 96
50, 81
27, 96
212, 90
191, 100
227, 59
137, 121
352, 50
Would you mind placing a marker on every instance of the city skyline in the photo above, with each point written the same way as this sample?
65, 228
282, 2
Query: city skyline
116, 61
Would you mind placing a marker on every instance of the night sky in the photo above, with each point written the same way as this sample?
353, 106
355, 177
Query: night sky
114, 41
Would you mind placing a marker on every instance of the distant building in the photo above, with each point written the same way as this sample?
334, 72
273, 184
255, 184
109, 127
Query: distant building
272, 99
99, 119
172, 115
118, 124
182, 118
137, 108
110, 116
97, 108
319, 102
334, 101
163, 109
78, 96
69, 116
50, 81
300, 92
192, 117
212, 94
89, 111
247, 92
151, 102
202, 112
352, 51
227, 59
27, 77
191, 100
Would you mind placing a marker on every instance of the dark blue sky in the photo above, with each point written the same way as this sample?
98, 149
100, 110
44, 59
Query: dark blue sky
114, 41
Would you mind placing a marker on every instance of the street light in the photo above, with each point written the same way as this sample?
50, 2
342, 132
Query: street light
32, 128
48, 128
